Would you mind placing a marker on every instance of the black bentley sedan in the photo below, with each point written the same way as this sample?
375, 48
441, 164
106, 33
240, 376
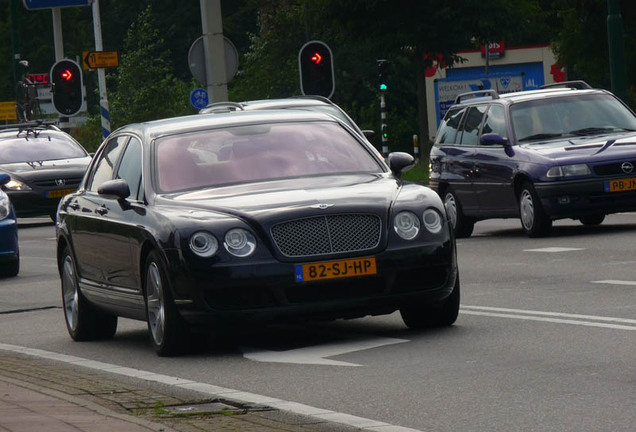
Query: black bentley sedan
44, 163
249, 217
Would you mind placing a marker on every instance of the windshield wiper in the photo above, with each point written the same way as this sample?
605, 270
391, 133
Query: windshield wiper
595, 130
540, 136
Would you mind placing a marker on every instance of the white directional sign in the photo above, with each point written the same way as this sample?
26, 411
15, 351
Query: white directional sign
317, 354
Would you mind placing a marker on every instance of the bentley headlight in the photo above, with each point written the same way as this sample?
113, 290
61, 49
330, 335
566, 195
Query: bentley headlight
432, 221
406, 225
5, 205
204, 244
569, 170
239, 242
15, 185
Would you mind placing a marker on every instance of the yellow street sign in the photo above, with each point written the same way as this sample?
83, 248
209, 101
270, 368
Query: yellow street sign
8, 111
100, 59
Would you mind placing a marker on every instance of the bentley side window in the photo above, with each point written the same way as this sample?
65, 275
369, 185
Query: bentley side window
106, 165
130, 168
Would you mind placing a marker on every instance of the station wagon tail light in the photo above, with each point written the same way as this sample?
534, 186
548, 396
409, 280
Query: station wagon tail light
432, 221
204, 244
240, 242
406, 225
569, 171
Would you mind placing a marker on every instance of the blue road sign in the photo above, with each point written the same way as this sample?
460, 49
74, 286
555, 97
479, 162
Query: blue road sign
199, 98
48, 4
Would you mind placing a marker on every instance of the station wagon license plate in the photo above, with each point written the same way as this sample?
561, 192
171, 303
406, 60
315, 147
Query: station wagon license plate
620, 185
60, 193
335, 269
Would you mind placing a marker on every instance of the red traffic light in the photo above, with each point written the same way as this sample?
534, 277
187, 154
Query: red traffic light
315, 64
67, 75
66, 83
316, 58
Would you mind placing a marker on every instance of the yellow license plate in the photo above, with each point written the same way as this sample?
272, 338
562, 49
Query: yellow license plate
620, 185
60, 193
336, 269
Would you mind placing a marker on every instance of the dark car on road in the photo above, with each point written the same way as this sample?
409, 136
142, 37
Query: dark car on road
44, 163
9, 248
563, 152
235, 218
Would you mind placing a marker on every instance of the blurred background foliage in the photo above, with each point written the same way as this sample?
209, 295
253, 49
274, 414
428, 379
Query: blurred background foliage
153, 38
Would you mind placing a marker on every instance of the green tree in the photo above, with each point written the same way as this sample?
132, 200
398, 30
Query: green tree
144, 87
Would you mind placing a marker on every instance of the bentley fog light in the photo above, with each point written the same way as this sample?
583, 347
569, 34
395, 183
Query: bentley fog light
239, 242
432, 221
406, 225
204, 244
569, 170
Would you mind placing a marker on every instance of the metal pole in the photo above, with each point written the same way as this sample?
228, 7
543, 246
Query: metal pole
214, 48
416, 147
618, 70
383, 128
101, 73
58, 40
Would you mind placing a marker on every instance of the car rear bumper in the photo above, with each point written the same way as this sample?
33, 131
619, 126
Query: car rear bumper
577, 198
267, 291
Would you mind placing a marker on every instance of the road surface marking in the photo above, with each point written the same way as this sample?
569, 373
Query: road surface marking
316, 354
554, 317
614, 282
554, 249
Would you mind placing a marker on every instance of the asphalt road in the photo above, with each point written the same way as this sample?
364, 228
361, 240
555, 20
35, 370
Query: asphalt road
545, 339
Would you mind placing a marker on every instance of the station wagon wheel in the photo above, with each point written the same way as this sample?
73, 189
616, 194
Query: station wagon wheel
444, 314
462, 225
165, 325
534, 221
83, 321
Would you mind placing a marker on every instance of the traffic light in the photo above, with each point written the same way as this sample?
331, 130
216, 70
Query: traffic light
383, 74
66, 81
315, 63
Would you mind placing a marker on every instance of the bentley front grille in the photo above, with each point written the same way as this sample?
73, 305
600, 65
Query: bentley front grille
327, 234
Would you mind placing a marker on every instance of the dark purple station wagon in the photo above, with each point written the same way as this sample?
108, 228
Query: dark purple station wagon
566, 151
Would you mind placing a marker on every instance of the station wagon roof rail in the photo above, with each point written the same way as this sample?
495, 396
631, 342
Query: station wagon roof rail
30, 125
225, 107
577, 84
474, 94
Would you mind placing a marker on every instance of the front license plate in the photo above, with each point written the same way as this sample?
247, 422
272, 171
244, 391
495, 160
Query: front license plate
60, 193
620, 185
336, 269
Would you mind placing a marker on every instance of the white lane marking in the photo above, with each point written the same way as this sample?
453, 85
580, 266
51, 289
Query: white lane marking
316, 354
554, 249
614, 282
213, 391
554, 317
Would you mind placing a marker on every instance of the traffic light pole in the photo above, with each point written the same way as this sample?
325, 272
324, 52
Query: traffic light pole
101, 73
385, 138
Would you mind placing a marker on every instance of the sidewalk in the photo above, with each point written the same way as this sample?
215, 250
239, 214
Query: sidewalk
38, 394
